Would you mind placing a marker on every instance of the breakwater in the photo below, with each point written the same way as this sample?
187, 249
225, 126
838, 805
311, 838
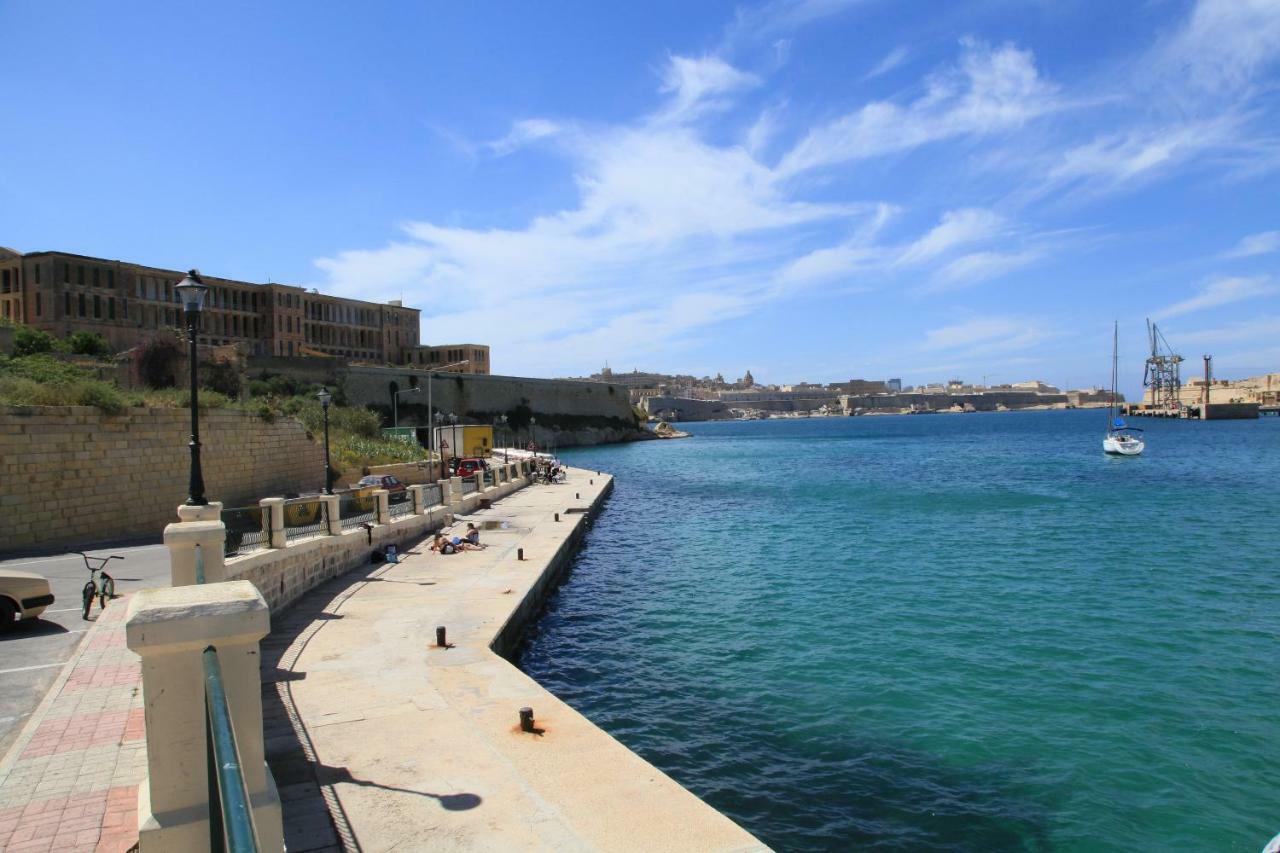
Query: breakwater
428, 738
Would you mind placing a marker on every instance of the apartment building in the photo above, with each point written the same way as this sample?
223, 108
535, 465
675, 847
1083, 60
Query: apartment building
61, 293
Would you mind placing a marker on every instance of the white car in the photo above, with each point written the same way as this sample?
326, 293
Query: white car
23, 595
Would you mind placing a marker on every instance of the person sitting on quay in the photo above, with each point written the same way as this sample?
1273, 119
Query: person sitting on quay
447, 545
473, 535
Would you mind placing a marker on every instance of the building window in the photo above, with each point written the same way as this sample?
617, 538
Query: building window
96, 279
4, 281
97, 307
66, 273
111, 307
39, 312
81, 304
80, 274
66, 308
36, 269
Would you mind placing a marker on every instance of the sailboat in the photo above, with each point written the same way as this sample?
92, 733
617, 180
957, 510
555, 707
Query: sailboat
1120, 439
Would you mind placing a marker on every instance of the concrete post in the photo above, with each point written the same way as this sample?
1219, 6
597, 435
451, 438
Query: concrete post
332, 513
273, 512
182, 538
455, 495
419, 499
479, 478
211, 511
497, 475
170, 629
446, 492
382, 496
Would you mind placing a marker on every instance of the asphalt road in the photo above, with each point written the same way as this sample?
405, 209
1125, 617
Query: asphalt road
32, 654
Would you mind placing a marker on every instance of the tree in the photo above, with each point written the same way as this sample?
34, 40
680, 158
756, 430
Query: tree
157, 361
89, 343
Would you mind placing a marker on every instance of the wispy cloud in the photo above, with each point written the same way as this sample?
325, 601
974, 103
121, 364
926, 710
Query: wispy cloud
1222, 291
892, 60
986, 335
521, 134
698, 84
1224, 44
981, 266
1256, 244
992, 90
957, 228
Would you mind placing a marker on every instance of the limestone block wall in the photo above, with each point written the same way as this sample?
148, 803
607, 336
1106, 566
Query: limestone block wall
72, 475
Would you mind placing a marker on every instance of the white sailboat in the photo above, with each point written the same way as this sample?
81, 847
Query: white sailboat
1120, 439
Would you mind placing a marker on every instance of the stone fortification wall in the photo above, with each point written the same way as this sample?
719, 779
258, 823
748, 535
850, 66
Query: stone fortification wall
73, 475
986, 402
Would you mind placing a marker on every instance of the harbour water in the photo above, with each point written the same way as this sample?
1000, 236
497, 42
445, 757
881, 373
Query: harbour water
955, 632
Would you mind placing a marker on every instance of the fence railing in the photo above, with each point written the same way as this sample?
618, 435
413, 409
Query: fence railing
246, 530
432, 495
489, 478
231, 825
398, 510
355, 510
305, 517
468, 485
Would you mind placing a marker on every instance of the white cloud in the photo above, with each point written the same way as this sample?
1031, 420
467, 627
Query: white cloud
981, 266
985, 335
1222, 291
992, 90
1224, 44
1118, 158
699, 84
1256, 244
892, 60
957, 228
521, 134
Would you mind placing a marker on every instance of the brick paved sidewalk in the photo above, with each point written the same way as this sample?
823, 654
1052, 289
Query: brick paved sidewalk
70, 780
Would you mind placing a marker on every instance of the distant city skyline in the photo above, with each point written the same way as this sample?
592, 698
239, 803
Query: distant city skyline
814, 189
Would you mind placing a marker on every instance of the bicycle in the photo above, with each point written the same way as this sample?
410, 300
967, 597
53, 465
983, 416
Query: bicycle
105, 589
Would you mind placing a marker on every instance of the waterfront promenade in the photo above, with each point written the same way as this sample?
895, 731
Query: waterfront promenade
412, 746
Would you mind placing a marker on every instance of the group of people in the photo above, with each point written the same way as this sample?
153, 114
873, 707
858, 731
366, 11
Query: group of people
443, 544
547, 471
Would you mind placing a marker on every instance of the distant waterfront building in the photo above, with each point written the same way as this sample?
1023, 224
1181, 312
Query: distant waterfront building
859, 386
476, 357
894, 385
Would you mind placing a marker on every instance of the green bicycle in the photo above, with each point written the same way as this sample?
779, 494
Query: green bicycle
104, 588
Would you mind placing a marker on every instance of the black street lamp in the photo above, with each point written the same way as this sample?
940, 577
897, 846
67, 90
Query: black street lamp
325, 399
192, 290
503, 419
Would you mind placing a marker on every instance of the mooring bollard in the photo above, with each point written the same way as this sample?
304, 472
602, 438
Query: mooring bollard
591, 482
440, 640
557, 516
526, 719
577, 496
519, 553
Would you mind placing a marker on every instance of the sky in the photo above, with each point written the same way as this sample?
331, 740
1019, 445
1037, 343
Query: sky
814, 190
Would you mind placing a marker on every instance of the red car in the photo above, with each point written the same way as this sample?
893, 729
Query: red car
469, 467
382, 481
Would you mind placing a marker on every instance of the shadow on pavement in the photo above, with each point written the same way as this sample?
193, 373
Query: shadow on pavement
32, 628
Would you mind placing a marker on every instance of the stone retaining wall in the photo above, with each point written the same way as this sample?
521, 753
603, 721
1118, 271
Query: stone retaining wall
72, 475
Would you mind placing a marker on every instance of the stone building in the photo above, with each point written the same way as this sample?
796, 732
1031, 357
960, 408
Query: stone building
61, 293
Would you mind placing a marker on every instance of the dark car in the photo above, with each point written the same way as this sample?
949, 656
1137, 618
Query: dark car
397, 489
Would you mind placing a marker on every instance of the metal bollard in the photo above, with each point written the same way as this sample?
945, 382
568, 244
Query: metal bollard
557, 516
577, 496
440, 640
519, 553
526, 719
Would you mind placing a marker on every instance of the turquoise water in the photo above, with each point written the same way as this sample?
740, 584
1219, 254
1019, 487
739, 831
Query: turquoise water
952, 632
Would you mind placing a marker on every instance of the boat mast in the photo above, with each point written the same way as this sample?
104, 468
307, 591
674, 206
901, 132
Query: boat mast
1115, 370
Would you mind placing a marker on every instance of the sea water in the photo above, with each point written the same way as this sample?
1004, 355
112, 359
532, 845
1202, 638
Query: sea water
947, 632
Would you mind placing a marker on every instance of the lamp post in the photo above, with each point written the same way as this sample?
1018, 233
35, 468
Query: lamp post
435, 437
533, 445
503, 420
395, 404
453, 421
325, 398
192, 290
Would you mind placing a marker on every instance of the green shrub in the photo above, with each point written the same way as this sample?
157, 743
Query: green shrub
89, 343
220, 376
29, 341
43, 368
98, 394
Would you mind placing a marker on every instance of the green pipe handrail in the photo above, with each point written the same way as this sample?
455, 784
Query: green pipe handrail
228, 792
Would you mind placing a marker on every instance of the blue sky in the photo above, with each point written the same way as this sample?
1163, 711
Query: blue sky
811, 189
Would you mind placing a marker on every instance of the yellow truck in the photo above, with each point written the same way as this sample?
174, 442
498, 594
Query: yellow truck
462, 441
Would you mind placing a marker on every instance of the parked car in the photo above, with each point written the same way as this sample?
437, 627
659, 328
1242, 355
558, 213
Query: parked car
398, 490
469, 467
23, 595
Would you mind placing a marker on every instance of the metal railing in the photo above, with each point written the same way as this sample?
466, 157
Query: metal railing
403, 508
246, 530
305, 517
468, 485
489, 478
432, 495
231, 826
355, 510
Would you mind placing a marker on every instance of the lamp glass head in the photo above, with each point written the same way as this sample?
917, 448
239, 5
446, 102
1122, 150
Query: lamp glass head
192, 291
324, 397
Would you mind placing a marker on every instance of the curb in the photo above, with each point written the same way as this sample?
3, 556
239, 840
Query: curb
42, 710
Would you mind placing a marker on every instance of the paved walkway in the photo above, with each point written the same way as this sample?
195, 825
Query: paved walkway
69, 782
410, 746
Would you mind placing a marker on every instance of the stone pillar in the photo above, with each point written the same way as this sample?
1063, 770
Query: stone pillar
332, 513
446, 492
182, 538
455, 495
382, 496
170, 629
273, 514
479, 478
211, 511
419, 499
